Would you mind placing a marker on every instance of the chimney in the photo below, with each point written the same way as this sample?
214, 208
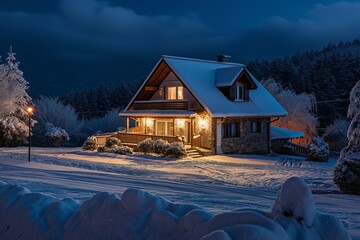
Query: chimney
223, 58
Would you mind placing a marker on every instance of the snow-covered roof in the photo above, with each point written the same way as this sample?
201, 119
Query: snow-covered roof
227, 76
282, 133
157, 113
199, 76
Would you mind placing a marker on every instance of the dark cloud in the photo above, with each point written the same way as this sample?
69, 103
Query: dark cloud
72, 44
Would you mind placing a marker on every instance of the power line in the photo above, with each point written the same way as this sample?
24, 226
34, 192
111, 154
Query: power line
334, 100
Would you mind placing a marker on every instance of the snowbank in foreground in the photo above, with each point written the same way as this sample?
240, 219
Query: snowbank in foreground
141, 215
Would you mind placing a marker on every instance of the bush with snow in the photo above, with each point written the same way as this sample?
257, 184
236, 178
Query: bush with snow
103, 149
90, 144
175, 150
146, 146
141, 215
347, 168
57, 135
160, 146
112, 141
318, 150
336, 134
123, 150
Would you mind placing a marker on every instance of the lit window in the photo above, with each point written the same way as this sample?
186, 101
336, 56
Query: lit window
180, 91
174, 93
171, 93
255, 126
239, 93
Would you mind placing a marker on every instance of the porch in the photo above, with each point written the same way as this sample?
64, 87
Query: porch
183, 126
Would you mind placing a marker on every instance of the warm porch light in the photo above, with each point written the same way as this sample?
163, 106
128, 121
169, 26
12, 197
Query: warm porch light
203, 124
149, 122
180, 123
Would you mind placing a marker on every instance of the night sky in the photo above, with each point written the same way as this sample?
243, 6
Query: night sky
64, 45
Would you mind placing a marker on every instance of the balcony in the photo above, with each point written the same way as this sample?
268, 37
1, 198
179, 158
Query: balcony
161, 104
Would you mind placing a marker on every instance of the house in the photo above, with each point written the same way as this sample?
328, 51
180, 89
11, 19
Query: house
214, 105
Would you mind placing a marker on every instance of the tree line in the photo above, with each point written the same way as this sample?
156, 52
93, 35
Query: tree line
329, 74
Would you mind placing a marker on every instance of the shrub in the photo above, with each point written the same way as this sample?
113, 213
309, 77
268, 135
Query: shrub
336, 134
111, 142
145, 146
102, 149
90, 144
318, 150
124, 150
160, 146
175, 150
57, 135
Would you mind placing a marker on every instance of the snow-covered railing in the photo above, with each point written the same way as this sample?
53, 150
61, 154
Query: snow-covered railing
298, 148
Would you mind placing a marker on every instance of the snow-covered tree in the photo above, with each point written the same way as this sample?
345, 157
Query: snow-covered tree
336, 134
300, 108
13, 100
52, 110
347, 168
57, 135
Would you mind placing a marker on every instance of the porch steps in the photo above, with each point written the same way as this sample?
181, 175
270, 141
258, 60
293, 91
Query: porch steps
193, 153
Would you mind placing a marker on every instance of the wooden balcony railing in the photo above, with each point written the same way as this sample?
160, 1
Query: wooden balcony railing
166, 104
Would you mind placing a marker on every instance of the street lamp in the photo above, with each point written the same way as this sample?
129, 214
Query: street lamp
30, 111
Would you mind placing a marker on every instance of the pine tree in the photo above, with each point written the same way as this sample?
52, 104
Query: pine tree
14, 99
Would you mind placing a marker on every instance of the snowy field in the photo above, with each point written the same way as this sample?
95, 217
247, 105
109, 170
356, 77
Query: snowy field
216, 183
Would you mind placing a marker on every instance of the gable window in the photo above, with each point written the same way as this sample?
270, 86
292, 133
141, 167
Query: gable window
255, 126
230, 130
239, 93
174, 93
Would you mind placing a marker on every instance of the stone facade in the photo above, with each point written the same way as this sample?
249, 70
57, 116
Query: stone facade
248, 142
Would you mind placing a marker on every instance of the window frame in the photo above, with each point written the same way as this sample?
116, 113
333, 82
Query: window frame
255, 128
177, 88
237, 93
230, 130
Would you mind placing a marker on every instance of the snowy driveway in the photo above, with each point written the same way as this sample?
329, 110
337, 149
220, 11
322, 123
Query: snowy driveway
217, 183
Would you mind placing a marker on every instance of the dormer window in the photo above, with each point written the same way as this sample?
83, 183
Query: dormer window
239, 93
174, 93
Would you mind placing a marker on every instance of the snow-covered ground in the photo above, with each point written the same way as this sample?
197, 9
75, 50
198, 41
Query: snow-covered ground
216, 183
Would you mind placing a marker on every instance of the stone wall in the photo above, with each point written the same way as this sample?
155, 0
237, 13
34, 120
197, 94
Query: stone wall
248, 142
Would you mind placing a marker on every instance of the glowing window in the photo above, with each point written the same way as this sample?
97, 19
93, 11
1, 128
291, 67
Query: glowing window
174, 93
180, 91
171, 93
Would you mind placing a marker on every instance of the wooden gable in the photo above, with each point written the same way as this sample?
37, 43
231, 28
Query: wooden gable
154, 82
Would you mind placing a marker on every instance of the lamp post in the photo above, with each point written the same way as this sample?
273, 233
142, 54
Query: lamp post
30, 111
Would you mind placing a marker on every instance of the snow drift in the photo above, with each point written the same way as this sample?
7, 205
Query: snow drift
141, 215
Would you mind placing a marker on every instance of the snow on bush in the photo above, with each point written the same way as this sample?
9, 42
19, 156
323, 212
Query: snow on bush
347, 168
160, 146
318, 150
124, 150
145, 146
103, 149
175, 150
90, 144
112, 141
57, 135
336, 134
141, 215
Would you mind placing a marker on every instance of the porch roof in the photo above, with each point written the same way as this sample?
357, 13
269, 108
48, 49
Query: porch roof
158, 113
282, 133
